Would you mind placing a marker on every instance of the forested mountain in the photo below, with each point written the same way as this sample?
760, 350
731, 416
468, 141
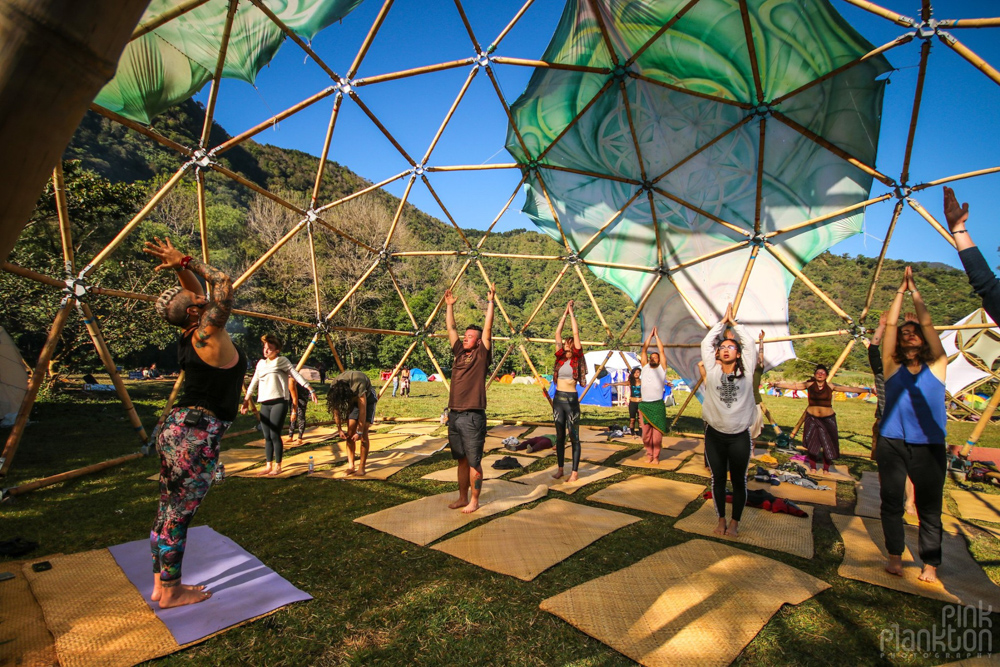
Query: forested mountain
113, 170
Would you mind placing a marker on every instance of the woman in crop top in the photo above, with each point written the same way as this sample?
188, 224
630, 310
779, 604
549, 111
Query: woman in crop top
273, 380
820, 434
912, 433
634, 384
570, 370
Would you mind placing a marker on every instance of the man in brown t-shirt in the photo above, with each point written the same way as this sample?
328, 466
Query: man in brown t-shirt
467, 401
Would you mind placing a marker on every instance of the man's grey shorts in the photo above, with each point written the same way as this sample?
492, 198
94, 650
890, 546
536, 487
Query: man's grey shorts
369, 408
467, 435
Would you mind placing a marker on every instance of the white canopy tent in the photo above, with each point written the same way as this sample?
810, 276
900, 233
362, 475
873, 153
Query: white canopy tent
972, 354
13, 379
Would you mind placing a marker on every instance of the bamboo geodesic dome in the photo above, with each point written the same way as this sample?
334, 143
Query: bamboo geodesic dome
612, 54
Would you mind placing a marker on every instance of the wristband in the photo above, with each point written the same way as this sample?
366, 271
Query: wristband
960, 231
185, 260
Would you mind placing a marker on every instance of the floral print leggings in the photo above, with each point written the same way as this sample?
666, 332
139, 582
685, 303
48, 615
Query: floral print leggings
189, 456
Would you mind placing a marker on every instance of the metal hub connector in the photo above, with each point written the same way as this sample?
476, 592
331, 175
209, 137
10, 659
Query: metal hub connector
927, 29
418, 170
619, 73
202, 159
758, 240
483, 59
345, 86
573, 259
78, 288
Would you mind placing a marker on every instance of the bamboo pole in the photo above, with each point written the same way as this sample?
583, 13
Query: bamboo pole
708, 255
829, 378
545, 297
897, 209
693, 93
510, 255
429, 253
593, 301
510, 115
333, 350
915, 205
72, 474
273, 121
687, 400
898, 19
970, 55
758, 199
351, 291
263, 316
152, 24
399, 211
34, 384
828, 216
445, 210
451, 112
497, 300
660, 31
202, 213
572, 123
395, 371
33, 275
295, 38
899, 41
714, 218
109, 365
474, 167
388, 135
925, 51
402, 298
369, 38
151, 443
534, 371
468, 26
134, 222
618, 214
690, 304
552, 209
497, 367
363, 191
815, 334
980, 426
592, 174
542, 64
309, 348
437, 366
956, 177
503, 33
141, 129
325, 152
639, 307
836, 150
752, 52
780, 256
970, 23
502, 211
616, 265
608, 44
213, 93
315, 271
413, 71
270, 253
745, 279
725, 133
437, 307
631, 130
62, 210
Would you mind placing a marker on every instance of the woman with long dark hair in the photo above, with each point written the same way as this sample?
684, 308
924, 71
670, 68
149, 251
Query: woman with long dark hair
820, 434
729, 412
634, 384
570, 370
911, 442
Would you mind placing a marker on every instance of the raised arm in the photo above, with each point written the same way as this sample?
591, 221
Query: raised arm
889, 364
760, 349
659, 348
643, 358
173, 258
785, 384
576, 328
747, 344
491, 297
981, 276
449, 318
559, 328
926, 323
708, 344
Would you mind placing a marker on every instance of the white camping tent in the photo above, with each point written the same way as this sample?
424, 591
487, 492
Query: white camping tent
615, 367
13, 379
972, 354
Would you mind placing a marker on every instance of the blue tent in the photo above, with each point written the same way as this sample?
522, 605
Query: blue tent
417, 375
598, 394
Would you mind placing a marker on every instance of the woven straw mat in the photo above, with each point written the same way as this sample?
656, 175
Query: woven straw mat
588, 472
24, 639
650, 494
758, 528
489, 472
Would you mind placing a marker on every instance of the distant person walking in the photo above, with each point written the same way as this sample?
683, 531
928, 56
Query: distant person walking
570, 370
467, 400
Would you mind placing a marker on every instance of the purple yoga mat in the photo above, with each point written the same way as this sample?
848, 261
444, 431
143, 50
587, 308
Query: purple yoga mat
242, 586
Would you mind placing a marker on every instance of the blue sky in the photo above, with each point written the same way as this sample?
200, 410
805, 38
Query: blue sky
957, 131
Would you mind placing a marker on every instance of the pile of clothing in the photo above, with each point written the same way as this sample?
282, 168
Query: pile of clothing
530, 445
788, 473
761, 499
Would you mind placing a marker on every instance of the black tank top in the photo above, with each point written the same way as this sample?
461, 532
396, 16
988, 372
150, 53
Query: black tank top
218, 389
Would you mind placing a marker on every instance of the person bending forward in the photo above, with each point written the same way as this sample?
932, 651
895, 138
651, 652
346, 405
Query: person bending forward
353, 397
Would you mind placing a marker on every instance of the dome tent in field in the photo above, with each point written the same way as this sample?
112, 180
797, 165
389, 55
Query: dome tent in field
690, 153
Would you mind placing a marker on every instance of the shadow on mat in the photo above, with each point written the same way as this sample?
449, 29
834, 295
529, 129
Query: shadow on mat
234, 576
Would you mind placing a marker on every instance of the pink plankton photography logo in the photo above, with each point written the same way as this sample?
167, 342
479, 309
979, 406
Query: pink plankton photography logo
964, 632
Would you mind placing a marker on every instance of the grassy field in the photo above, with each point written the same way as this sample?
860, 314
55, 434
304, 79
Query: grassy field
383, 601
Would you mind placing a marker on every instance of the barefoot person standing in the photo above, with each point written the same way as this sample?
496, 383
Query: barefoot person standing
729, 412
188, 443
467, 400
569, 371
652, 383
352, 397
911, 440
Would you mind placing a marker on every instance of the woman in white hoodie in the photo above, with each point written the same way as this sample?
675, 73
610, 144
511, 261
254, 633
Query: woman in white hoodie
729, 412
274, 388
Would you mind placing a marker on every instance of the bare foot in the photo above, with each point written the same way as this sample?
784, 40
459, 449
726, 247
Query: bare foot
461, 502
178, 596
558, 473
266, 470
912, 509
895, 566
574, 476
471, 507
721, 528
158, 589
361, 472
733, 530
350, 471
928, 574
275, 471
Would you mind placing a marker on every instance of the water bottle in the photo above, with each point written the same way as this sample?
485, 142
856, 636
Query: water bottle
311, 468
220, 474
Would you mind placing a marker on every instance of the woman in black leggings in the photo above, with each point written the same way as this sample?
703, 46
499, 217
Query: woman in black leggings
729, 412
273, 380
570, 370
